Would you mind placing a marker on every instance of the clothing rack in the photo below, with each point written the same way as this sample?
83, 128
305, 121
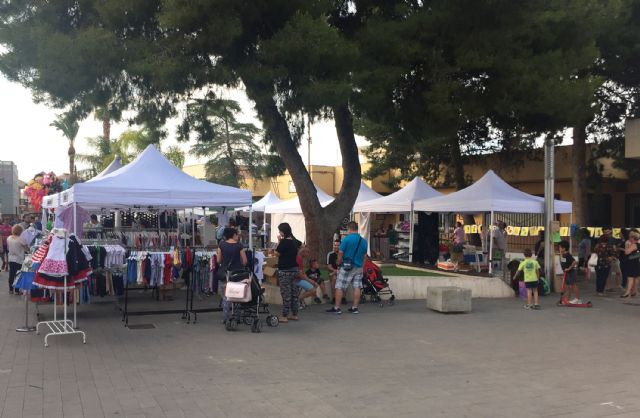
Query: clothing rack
190, 311
64, 326
187, 313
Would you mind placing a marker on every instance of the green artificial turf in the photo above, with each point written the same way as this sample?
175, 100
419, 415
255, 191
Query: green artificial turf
397, 271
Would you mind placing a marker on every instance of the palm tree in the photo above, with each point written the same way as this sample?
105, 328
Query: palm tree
68, 125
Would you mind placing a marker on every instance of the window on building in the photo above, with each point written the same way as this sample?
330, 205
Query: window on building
599, 209
632, 210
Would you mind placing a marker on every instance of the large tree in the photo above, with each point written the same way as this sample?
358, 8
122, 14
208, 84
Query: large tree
475, 77
151, 55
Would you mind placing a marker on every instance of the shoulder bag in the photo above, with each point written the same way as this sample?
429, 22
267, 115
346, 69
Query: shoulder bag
347, 262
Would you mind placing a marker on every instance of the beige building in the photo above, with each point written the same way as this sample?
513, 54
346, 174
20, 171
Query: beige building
616, 201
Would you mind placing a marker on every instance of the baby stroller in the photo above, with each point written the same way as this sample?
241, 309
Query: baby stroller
249, 312
375, 286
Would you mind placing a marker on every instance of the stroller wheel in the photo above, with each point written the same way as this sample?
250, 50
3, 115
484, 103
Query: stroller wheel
232, 324
256, 326
272, 321
248, 320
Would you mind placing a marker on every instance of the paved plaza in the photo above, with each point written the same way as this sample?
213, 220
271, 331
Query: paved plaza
401, 361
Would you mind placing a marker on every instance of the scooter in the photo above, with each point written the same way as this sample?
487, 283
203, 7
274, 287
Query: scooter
565, 302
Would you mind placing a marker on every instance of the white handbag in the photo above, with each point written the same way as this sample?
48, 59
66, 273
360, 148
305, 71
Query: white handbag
238, 291
593, 260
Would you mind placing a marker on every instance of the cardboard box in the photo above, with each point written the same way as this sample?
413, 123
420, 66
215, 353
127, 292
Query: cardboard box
270, 271
271, 261
272, 280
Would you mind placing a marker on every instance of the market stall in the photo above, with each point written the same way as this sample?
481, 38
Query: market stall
150, 182
401, 201
490, 194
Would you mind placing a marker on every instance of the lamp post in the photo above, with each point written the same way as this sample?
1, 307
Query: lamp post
549, 191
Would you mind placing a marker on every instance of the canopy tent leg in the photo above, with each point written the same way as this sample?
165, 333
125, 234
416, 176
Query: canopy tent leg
570, 237
411, 234
75, 219
251, 228
193, 227
264, 229
204, 227
491, 244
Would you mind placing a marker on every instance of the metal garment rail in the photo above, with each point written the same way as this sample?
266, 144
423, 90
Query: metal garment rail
187, 313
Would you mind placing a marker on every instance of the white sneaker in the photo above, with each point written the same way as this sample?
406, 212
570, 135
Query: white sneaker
574, 301
527, 306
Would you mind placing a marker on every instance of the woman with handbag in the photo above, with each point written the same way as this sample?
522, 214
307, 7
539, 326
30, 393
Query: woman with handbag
632, 263
230, 256
288, 272
605, 254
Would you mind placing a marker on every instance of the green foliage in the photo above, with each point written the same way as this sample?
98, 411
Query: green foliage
232, 147
476, 76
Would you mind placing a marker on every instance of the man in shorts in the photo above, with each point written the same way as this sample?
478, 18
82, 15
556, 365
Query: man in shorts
350, 259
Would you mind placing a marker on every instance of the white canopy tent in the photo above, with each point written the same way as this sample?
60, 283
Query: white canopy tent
152, 181
489, 194
115, 165
400, 201
365, 194
291, 212
260, 206
269, 199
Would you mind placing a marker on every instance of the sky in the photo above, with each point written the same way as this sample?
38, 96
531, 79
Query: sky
27, 139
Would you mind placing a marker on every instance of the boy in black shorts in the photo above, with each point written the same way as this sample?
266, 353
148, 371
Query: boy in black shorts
315, 274
569, 265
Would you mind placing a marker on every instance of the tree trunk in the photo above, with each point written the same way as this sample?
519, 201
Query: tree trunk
106, 126
458, 164
232, 162
320, 222
580, 206
72, 164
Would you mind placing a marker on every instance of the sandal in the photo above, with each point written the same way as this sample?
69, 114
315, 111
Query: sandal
294, 317
283, 319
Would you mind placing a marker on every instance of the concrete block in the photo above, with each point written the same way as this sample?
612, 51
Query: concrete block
448, 299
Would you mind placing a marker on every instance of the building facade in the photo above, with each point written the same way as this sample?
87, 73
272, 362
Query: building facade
9, 189
615, 200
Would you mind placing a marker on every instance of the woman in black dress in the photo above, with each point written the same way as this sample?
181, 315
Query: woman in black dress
632, 263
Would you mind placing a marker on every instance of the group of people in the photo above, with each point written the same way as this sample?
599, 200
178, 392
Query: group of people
614, 261
345, 265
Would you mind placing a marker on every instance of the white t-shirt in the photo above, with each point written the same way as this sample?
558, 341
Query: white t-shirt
16, 247
257, 269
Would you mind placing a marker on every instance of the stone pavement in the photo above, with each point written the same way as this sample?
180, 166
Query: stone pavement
404, 361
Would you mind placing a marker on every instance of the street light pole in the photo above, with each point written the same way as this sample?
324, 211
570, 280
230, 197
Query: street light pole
549, 192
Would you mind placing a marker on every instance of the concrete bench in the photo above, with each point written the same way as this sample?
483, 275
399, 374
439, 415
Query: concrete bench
448, 299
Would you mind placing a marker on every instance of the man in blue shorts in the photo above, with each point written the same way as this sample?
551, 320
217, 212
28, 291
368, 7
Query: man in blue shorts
350, 259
